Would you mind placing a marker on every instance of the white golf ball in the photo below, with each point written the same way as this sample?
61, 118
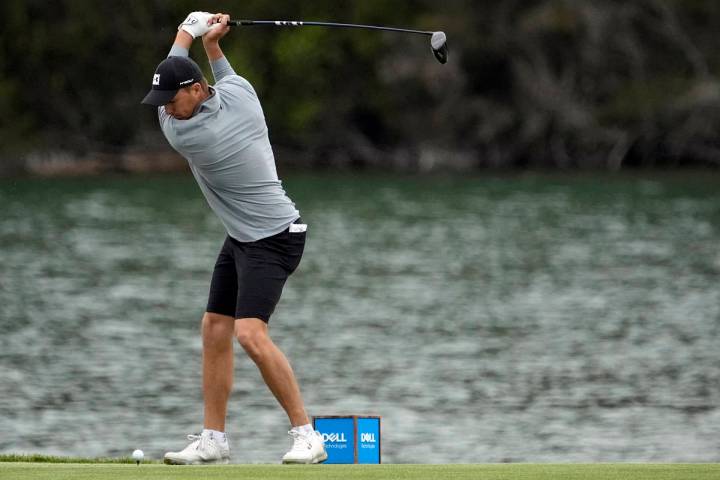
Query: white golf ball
138, 455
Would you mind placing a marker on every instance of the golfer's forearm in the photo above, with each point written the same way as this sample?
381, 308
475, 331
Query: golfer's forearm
213, 51
181, 46
219, 64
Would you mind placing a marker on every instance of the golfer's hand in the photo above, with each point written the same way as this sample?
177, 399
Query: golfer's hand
196, 24
218, 29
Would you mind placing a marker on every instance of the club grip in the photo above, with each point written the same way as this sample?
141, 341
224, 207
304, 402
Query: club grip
239, 23
277, 23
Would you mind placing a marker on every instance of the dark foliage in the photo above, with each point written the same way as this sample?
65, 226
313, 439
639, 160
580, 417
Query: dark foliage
546, 83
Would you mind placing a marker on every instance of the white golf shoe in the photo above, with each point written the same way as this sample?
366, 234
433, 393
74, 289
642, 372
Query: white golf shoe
203, 449
307, 448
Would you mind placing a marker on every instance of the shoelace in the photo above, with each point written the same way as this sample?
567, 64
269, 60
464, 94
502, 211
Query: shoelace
302, 442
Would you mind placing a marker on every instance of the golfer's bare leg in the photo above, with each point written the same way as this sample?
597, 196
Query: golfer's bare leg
252, 333
217, 360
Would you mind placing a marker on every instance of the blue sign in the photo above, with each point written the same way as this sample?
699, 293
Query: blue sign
350, 439
369, 441
339, 436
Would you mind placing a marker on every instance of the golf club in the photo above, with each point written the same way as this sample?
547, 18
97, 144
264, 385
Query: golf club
438, 40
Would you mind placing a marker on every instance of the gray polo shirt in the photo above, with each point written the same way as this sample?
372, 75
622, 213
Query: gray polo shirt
227, 146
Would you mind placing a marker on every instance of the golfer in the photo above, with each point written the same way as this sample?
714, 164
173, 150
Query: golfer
221, 131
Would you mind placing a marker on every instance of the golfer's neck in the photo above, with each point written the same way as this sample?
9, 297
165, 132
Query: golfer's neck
203, 99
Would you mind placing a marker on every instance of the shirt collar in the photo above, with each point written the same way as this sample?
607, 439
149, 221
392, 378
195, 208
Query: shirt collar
210, 104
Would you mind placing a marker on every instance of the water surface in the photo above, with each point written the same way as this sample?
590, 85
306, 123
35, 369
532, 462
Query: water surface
487, 319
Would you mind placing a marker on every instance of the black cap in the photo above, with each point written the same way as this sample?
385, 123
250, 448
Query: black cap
171, 75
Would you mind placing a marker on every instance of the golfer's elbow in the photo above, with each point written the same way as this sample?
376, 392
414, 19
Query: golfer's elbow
221, 68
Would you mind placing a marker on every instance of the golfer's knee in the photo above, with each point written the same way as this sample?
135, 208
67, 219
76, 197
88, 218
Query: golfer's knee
216, 329
253, 339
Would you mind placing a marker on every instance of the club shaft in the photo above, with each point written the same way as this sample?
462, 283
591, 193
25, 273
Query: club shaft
297, 23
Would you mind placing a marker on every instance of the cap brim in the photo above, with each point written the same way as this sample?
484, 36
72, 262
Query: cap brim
159, 98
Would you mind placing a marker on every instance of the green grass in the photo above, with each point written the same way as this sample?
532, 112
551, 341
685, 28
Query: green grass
36, 458
111, 471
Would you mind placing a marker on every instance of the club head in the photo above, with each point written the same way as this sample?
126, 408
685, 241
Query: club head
438, 42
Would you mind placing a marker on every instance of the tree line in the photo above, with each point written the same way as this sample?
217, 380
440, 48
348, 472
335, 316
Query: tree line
543, 83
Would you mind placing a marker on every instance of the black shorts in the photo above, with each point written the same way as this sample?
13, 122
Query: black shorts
249, 276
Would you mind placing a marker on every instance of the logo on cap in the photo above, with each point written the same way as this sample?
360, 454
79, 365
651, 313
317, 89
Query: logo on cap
156, 79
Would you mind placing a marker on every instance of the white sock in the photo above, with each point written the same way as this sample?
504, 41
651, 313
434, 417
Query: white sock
304, 429
219, 437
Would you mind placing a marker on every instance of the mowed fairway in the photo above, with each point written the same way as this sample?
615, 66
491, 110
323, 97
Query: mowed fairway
36, 471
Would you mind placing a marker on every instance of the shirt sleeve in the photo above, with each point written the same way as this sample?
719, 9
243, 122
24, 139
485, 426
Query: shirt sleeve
178, 51
162, 114
221, 68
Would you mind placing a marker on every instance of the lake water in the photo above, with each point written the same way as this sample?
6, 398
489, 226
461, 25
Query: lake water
487, 319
